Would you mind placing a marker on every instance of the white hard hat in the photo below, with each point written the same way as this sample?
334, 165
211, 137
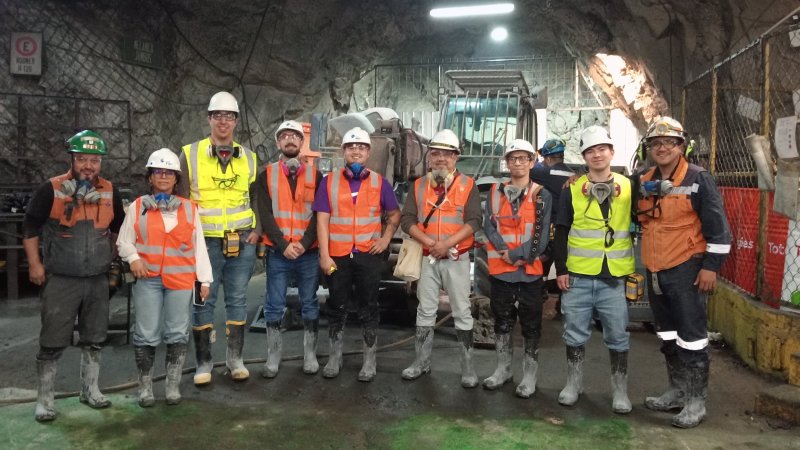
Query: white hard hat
445, 140
223, 101
163, 158
519, 145
356, 136
594, 135
666, 126
290, 125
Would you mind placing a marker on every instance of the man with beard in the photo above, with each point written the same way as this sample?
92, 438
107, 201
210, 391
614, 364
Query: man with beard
350, 204
284, 193
219, 174
73, 216
442, 212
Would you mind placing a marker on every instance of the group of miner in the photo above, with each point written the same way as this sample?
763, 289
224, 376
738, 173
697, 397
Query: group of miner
210, 206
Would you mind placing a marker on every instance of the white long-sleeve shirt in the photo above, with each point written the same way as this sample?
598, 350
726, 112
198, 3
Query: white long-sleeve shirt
126, 242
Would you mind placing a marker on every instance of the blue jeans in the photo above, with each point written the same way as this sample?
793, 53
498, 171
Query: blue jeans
607, 297
280, 269
160, 311
234, 274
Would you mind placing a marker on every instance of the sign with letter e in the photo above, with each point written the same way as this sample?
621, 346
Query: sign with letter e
26, 54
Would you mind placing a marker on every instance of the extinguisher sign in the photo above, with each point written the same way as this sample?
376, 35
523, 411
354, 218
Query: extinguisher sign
26, 54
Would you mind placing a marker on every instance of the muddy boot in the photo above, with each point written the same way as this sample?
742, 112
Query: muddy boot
673, 397
505, 355
90, 372
310, 333
274, 350
368, 369
530, 365
233, 356
574, 388
469, 379
423, 344
176, 355
45, 407
696, 382
144, 355
334, 365
202, 352
620, 403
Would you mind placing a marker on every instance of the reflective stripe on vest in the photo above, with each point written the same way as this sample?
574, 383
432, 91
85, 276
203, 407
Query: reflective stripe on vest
449, 216
169, 255
223, 199
514, 229
353, 225
675, 234
586, 242
292, 214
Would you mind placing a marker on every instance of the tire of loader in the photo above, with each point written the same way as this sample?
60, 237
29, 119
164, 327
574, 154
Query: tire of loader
483, 327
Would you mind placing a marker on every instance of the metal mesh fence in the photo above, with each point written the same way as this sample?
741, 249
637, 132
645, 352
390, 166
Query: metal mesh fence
742, 96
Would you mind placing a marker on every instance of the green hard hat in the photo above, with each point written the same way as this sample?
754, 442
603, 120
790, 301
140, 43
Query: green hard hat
86, 141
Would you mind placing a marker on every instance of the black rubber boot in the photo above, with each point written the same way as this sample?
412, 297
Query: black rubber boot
202, 352
369, 369
696, 388
176, 356
233, 357
574, 388
469, 379
620, 403
274, 350
90, 372
423, 345
144, 355
505, 356
673, 398
45, 398
310, 336
530, 365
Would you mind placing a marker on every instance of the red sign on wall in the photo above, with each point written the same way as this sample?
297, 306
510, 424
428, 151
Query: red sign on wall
741, 207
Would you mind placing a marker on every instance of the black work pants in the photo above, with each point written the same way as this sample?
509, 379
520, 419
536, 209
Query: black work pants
512, 300
357, 277
679, 310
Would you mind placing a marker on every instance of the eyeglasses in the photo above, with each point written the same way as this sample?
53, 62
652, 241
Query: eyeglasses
609, 237
519, 159
668, 144
356, 147
290, 137
227, 116
446, 153
165, 173
225, 183
94, 160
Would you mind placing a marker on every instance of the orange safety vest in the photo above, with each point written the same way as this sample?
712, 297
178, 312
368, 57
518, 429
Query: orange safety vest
674, 235
169, 255
514, 229
449, 216
353, 224
292, 214
101, 213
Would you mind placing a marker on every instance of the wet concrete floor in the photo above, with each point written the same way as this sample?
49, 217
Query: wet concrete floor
296, 410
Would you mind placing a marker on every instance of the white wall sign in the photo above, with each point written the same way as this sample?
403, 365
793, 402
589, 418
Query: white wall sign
26, 54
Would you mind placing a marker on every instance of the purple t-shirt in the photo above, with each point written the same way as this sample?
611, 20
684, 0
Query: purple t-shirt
323, 204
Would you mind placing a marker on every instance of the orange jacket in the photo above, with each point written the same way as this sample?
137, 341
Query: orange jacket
353, 224
101, 213
673, 234
169, 255
449, 216
514, 229
292, 214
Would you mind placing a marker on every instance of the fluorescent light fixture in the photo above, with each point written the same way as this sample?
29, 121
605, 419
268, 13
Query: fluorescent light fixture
490, 9
499, 34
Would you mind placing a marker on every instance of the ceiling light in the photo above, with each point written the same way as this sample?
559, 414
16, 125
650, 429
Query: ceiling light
491, 9
499, 34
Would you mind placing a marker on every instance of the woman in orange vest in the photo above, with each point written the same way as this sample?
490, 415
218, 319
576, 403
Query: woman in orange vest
517, 223
163, 242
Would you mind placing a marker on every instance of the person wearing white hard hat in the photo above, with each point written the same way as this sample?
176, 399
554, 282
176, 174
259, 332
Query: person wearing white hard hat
685, 240
162, 241
516, 222
442, 212
284, 193
350, 204
218, 175
593, 257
